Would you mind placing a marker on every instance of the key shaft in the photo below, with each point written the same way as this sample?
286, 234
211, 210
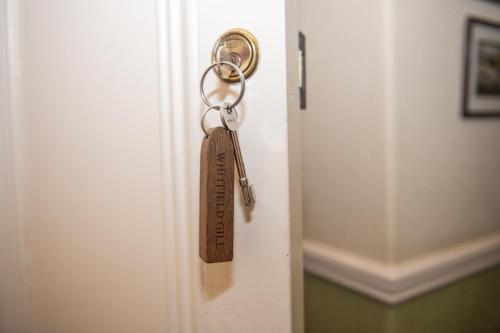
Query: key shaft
246, 188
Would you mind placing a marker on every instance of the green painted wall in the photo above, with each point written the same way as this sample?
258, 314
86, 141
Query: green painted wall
471, 305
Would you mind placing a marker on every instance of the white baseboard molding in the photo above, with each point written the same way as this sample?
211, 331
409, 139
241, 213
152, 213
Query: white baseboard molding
395, 283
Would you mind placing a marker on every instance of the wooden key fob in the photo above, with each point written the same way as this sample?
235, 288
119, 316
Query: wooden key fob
217, 196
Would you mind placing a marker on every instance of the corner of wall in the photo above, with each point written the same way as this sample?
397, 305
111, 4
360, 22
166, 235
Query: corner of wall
388, 47
14, 310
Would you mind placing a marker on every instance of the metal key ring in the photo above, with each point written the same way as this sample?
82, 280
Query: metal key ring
242, 83
203, 127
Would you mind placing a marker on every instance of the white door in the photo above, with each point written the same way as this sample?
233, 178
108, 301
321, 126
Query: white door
100, 162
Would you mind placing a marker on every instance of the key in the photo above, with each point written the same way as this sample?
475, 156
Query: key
224, 70
230, 121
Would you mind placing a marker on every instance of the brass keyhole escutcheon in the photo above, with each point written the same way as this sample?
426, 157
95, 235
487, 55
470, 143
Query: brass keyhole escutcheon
240, 47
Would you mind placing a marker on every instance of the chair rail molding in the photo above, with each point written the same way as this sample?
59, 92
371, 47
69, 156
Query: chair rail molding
395, 283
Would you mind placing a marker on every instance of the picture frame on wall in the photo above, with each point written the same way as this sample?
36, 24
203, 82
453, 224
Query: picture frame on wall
481, 89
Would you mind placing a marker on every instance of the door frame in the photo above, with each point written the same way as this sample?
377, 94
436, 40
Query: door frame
178, 36
178, 89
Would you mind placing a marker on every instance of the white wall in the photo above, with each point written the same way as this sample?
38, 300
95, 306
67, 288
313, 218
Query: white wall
391, 169
448, 168
343, 128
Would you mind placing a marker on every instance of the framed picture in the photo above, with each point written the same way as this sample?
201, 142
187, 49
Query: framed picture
481, 95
